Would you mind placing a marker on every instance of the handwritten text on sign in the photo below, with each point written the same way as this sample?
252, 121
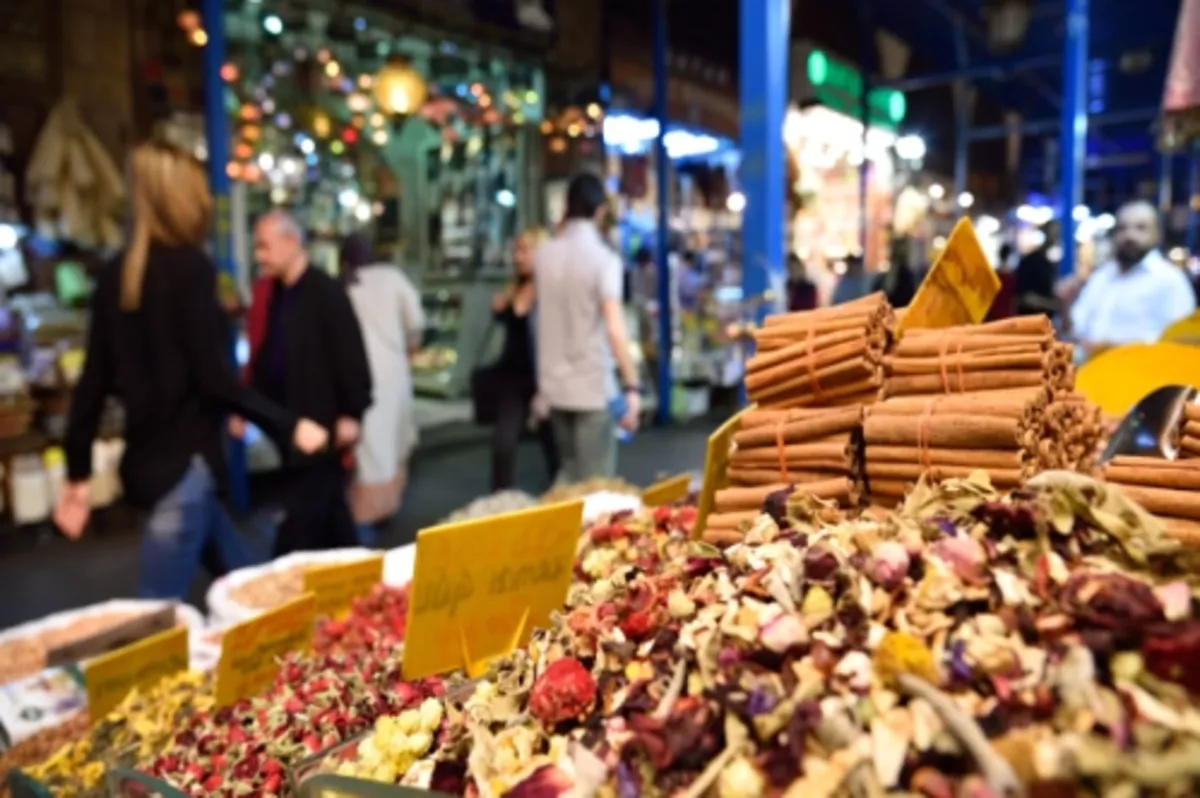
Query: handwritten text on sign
251, 650
960, 287
668, 491
479, 587
109, 678
336, 586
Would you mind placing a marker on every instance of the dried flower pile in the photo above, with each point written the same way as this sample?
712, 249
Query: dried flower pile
40, 746
972, 644
375, 620
138, 728
315, 703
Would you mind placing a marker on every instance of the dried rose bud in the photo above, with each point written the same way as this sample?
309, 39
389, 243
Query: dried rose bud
820, 564
964, 555
782, 633
1176, 600
565, 690
889, 564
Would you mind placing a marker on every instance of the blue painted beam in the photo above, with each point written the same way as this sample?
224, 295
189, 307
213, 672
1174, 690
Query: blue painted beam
216, 131
764, 34
994, 70
1042, 127
1073, 127
666, 330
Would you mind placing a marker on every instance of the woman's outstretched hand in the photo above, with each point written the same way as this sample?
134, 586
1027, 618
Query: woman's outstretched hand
310, 437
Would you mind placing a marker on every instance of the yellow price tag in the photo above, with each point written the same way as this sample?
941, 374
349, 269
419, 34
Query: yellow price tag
336, 586
251, 650
716, 468
480, 587
668, 491
111, 677
960, 287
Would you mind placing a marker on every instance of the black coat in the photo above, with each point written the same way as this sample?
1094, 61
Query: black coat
312, 328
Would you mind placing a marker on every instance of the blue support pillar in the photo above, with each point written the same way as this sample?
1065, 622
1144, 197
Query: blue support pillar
1192, 238
216, 130
666, 338
763, 71
1073, 135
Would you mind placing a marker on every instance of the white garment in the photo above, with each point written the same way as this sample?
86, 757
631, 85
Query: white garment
1135, 306
390, 315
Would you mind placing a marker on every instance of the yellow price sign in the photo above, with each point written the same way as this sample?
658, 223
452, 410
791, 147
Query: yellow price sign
960, 287
667, 491
336, 586
1119, 378
250, 651
716, 468
111, 677
480, 587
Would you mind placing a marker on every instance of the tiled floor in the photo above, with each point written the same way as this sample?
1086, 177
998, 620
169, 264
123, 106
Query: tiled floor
42, 573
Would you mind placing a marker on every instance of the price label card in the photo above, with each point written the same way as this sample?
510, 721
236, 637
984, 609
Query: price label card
110, 677
250, 651
960, 287
336, 586
668, 491
716, 467
480, 587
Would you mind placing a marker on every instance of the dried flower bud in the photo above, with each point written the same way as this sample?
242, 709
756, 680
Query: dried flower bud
679, 605
782, 633
889, 564
740, 779
820, 564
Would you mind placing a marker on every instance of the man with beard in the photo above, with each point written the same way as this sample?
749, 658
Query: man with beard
1134, 298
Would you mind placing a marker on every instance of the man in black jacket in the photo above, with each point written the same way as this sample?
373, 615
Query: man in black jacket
312, 361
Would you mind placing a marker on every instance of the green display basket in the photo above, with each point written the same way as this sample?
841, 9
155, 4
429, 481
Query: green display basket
22, 785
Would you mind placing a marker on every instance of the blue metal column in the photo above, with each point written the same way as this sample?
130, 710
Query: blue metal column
1192, 238
763, 71
216, 130
666, 342
1073, 136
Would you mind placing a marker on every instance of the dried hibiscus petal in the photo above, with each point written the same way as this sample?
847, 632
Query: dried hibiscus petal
565, 690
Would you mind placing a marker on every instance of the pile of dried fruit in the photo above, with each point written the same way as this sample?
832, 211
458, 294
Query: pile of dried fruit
315, 703
377, 619
37, 748
25, 656
270, 589
970, 645
142, 724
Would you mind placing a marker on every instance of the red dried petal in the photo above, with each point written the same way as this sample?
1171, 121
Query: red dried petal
565, 690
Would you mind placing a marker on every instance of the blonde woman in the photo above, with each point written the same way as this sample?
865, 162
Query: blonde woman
514, 372
155, 342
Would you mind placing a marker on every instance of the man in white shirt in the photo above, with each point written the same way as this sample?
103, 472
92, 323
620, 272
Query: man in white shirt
1135, 297
580, 321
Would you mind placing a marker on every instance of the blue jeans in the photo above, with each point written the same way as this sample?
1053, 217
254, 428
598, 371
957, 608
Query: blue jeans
179, 527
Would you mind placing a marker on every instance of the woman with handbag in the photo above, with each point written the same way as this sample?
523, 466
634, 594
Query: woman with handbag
513, 374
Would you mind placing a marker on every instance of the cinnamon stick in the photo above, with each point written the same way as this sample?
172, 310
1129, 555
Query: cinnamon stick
889, 488
911, 472
721, 536
973, 381
1190, 445
1138, 461
769, 476
1192, 429
931, 343
1030, 357
808, 376
1164, 501
1014, 325
851, 391
824, 363
821, 425
803, 455
1022, 403
952, 431
863, 305
746, 498
767, 338
938, 456
802, 346
1184, 530
1191, 411
1151, 475
760, 417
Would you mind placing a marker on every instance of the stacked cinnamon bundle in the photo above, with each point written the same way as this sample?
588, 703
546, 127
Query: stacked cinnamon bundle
950, 436
1189, 432
1168, 488
822, 358
1072, 429
814, 450
1019, 352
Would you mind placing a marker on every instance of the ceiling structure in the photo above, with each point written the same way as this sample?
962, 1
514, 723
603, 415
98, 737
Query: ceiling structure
1129, 50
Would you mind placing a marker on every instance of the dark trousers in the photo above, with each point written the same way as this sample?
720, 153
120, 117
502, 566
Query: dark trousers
514, 395
316, 514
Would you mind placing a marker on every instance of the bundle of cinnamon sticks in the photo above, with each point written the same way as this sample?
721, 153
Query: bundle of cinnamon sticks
814, 450
944, 437
1189, 432
821, 358
1019, 352
1168, 488
1072, 429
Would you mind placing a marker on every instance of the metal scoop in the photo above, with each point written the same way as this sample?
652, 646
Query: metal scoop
1151, 429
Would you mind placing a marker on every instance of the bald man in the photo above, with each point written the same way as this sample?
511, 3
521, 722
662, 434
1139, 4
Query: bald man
311, 356
1135, 297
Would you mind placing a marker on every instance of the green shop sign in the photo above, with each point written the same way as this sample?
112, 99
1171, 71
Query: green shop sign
839, 86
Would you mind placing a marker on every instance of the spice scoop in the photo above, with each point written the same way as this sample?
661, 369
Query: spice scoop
1151, 428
